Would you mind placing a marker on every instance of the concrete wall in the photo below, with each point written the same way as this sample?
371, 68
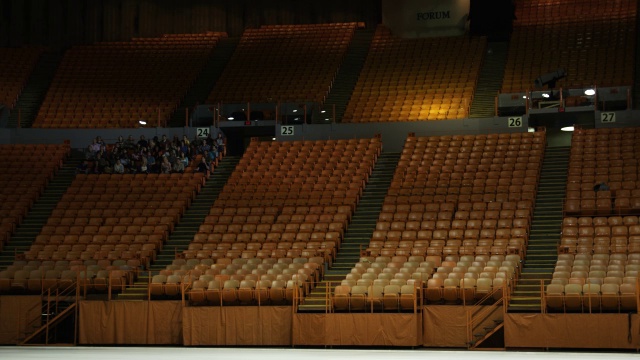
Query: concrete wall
81, 138
393, 133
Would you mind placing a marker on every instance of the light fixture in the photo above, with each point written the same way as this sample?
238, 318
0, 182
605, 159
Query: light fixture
327, 119
567, 128
296, 119
323, 111
142, 122
524, 96
531, 129
545, 95
274, 139
589, 92
230, 118
295, 110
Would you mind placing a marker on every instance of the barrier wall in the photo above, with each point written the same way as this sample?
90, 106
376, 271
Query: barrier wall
444, 326
586, 331
16, 314
393, 134
169, 323
130, 322
357, 329
237, 325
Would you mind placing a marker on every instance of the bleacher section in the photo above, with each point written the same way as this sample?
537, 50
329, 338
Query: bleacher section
26, 171
279, 219
416, 79
604, 156
105, 228
116, 84
599, 252
16, 65
455, 220
594, 41
285, 63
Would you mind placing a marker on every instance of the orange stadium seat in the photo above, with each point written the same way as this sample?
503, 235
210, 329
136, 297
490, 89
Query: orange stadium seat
288, 53
151, 75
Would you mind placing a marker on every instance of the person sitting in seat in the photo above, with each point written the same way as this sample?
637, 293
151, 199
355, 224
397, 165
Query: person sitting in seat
220, 143
151, 163
103, 165
118, 168
203, 166
184, 147
601, 187
210, 156
143, 168
94, 149
165, 167
178, 167
130, 142
183, 159
143, 142
83, 167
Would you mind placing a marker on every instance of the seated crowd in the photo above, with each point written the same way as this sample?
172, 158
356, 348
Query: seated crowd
157, 155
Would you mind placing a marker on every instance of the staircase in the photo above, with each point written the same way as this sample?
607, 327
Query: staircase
57, 322
358, 233
489, 81
37, 217
347, 75
636, 81
35, 90
542, 250
201, 88
185, 229
485, 326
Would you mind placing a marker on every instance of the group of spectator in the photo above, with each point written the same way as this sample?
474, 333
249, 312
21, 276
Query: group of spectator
157, 155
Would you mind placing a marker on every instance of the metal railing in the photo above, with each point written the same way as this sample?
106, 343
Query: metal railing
56, 303
590, 302
373, 303
483, 310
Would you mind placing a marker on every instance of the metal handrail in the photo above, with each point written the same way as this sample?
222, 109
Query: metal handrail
589, 296
477, 314
52, 300
417, 298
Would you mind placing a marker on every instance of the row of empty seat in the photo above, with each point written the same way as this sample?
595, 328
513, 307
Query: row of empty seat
599, 250
536, 12
486, 168
455, 228
603, 156
464, 279
618, 238
254, 276
599, 269
119, 83
592, 297
286, 63
596, 48
16, 64
101, 237
376, 297
41, 281
29, 169
281, 227
416, 79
